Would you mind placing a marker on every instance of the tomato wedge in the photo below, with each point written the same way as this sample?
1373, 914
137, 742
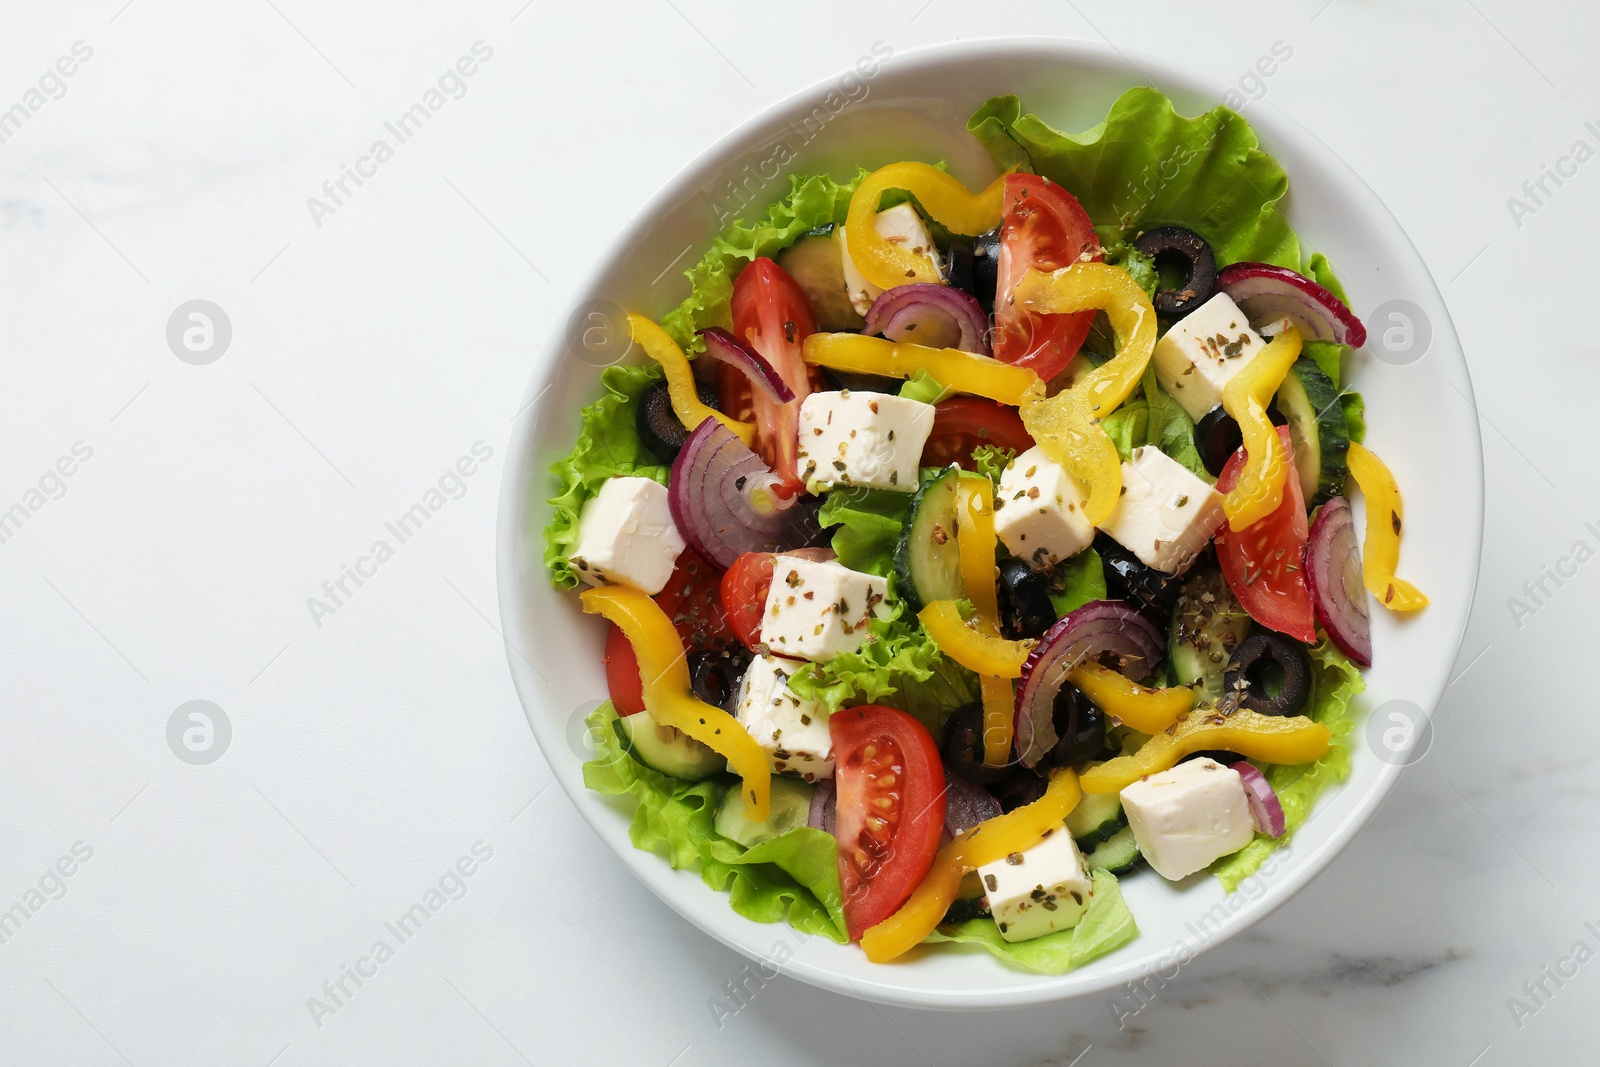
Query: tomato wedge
735, 398
745, 585
890, 787
744, 594
692, 599
962, 423
770, 311
622, 673
1263, 563
1042, 226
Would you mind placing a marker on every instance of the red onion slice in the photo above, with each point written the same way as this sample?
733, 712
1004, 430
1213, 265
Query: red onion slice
1333, 577
722, 499
1092, 631
966, 804
824, 802
925, 313
1265, 293
726, 348
1264, 805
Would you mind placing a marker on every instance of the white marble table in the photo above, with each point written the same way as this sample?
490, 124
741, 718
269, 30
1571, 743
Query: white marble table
380, 337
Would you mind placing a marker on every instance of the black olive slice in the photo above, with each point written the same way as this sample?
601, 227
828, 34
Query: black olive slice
1269, 673
1130, 580
659, 428
714, 675
959, 266
1080, 726
1022, 787
1174, 246
1025, 608
1217, 436
963, 746
986, 269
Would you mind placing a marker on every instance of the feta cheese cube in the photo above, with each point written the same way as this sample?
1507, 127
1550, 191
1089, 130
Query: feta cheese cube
818, 610
1040, 891
1038, 511
861, 438
1166, 514
792, 731
902, 225
1185, 818
1196, 358
626, 536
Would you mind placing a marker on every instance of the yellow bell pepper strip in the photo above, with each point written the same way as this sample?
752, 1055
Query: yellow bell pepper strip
999, 715
886, 263
1067, 425
968, 644
664, 670
659, 346
975, 537
1380, 553
994, 839
1259, 490
1147, 710
961, 372
1273, 738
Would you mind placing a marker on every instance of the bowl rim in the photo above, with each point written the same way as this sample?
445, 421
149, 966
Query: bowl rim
649, 867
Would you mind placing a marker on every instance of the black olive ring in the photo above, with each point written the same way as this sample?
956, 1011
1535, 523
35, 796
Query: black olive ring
963, 747
1246, 681
1199, 273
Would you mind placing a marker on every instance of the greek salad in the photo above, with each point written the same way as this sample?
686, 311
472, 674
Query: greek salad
962, 551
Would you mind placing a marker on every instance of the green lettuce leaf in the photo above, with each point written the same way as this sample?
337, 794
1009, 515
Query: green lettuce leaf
1336, 682
1106, 926
1355, 415
869, 522
1138, 265
898, 666
793, 877
990, 461
926, 388
1074, 582
1146, 166
812, 201
1131, 426
608, 444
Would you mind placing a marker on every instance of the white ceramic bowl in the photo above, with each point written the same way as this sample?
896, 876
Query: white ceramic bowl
1420, 415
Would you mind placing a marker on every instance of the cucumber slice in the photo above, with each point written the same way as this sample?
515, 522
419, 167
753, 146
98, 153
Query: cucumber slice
1097, 817
791, 807
1317, 429
927, 561
816, 263
1207, 625
1116, 853
667, 749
